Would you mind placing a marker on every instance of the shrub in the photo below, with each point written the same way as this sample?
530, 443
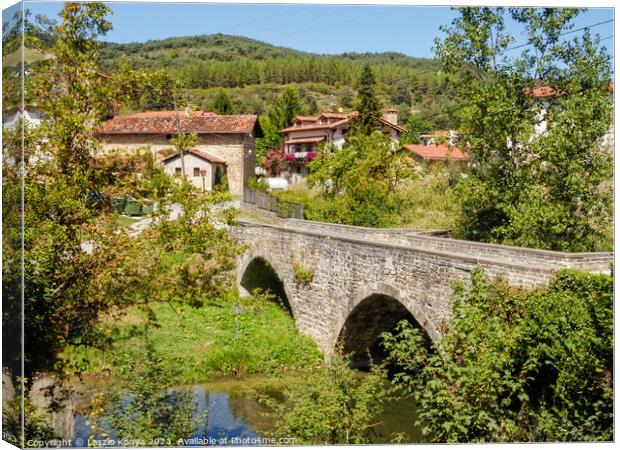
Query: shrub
516, 365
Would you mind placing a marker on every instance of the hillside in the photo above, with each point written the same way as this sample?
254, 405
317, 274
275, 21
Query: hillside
180, 51
253, 73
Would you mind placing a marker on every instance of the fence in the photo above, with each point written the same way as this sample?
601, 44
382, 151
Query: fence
271, 203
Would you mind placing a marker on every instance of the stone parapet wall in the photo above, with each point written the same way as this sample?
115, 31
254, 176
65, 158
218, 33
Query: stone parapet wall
350, 267
591, 261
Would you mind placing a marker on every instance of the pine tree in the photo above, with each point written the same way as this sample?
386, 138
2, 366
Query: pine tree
368, 104
287, 106
222, 104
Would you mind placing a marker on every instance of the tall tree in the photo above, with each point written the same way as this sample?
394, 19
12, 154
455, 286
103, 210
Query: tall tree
222, 104
367, 105
271, 138
547, 190
286, 107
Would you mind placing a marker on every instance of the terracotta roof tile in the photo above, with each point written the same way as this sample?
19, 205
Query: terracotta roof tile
391, 125
315, 126
172, 114
156, 124
342, 119
541, 91
307, 140
436, 152
199, 154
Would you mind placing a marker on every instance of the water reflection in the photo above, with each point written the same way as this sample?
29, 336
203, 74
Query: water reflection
234, 417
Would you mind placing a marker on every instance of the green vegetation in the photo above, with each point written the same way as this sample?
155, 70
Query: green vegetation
222, 104
367, 105
148, 412
253, 72
358, 182
428, 199
35, 424
302, 275
280, 115
551, 190
332, 406
199, 343
515, 365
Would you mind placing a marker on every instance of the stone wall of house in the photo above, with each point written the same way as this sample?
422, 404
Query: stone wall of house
351, 267
232, 148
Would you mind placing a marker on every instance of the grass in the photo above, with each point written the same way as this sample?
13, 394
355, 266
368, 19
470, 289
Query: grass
127, 221
243, 214
429, 200
196, 344
30, 55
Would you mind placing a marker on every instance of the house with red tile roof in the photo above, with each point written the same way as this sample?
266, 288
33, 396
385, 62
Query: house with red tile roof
226, 138
437, 153
307, 133
202, 169
546, 94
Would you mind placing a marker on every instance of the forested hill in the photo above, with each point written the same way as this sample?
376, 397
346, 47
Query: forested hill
179, 51
253, 72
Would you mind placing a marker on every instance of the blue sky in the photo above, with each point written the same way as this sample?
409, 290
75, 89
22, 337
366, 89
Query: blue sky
314, 28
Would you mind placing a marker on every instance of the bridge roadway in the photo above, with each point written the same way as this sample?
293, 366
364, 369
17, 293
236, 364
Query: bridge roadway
366, 280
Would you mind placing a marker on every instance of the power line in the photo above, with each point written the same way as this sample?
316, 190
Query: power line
286, 13
561, 34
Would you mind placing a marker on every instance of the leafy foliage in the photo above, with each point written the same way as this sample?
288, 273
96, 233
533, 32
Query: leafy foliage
548, 189
222, 103
358, 183
36, 423
415, 126
271, 138
148, 412
332, 406
302, 276
516, 365
286, 108
78, 265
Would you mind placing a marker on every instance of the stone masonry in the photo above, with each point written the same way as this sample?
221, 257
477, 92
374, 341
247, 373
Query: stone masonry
236, 149
354, 264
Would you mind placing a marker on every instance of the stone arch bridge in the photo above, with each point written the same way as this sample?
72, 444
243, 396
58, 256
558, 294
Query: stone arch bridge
361, 281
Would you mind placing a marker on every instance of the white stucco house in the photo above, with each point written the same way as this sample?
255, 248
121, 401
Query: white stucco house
309, 132
31, 114
203, 170
545, 95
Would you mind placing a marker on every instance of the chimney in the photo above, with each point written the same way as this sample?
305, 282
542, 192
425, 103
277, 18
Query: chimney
391, 115
187, 111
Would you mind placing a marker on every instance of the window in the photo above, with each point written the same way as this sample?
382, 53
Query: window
196, 171
177, 171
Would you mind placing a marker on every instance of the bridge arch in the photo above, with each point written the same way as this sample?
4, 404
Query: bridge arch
375, 309
258, 271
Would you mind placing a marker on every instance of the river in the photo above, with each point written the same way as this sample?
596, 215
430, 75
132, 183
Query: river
235, 417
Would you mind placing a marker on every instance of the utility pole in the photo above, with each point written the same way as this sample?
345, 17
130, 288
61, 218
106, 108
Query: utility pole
203, 174
181, 151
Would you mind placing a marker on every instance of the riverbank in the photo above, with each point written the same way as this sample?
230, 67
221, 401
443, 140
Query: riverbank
234, 411
198, 344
